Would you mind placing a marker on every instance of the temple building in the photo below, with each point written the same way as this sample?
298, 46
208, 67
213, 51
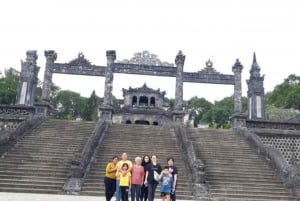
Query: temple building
142, 105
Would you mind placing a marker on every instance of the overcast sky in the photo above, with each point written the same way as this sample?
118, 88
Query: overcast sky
220, 30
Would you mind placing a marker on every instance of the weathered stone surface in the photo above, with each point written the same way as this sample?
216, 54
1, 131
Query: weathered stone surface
237, 70
272, 125
142, 104
4, 137
179, 61
256, 92
12, 115
81, 163
290, 175
50, 59
194, 165
28, 80
146, 58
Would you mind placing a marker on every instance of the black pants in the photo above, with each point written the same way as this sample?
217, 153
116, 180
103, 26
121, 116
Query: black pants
110, 188
144, 193
124, 193
135, 192
151, 190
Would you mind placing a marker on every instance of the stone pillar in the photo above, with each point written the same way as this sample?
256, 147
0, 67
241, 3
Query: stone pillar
28, 80
237, 70
179, 61
50, 59
238, 121
178, 113
109, 77
107, 106
256, 93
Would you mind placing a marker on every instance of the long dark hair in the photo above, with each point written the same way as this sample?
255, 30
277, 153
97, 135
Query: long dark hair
144, 163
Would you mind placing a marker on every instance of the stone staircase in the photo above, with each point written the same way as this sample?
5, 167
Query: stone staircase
40, 162
137, 140
234, 171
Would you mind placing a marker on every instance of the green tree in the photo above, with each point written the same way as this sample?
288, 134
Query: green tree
287, 94
199, 106
219, 114
169, 101
69, 105
8, 86
91, 108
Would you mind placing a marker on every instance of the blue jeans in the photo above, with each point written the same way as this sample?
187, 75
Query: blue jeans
118, 193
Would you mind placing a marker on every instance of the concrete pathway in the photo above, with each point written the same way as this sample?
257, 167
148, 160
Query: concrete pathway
50, 197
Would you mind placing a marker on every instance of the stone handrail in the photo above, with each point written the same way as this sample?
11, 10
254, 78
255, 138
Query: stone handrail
9, 138
290, 175
12, 115
195, 166
81, 164
16, 111
272, 125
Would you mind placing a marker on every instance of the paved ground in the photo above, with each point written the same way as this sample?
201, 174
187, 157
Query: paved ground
47, 197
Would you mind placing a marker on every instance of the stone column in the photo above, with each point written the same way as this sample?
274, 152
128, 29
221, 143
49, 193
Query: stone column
50, 59
179, 61
28, 80
237, 70
109, 77
256, 93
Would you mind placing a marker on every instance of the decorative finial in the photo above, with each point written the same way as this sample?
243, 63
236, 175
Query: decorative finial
254, 58
237, 67
255, 69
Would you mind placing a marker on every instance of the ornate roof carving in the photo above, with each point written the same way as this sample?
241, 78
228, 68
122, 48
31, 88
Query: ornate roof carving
80, 61
209, 69
146, 58
143, 89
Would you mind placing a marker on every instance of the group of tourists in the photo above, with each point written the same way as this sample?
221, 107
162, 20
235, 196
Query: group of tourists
141, 178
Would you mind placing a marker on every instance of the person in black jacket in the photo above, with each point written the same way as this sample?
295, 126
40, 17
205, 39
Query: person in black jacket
144, 189
153, 171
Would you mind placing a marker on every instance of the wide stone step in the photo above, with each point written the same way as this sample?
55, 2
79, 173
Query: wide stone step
242, 185
34, 189
40, 162
233, 169
40, 157
229, 164
31, 169
33, 166
49, 185
249, 196
14, 177
249, 171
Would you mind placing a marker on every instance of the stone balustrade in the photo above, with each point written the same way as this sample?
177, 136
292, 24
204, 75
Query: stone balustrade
12, 115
